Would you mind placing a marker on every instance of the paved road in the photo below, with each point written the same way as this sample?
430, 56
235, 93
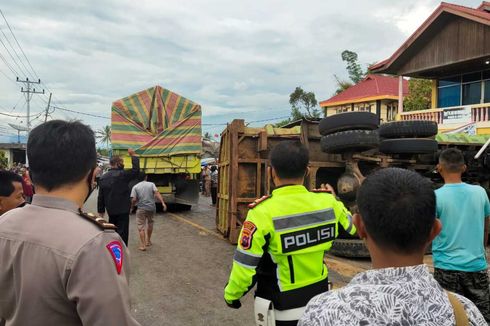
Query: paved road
180, 280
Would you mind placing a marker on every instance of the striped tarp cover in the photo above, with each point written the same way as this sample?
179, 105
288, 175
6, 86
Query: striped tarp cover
156, 122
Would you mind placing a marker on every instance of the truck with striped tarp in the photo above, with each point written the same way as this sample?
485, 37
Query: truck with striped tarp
164, 129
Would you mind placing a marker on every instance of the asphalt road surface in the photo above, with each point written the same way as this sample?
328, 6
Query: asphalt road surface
180, 279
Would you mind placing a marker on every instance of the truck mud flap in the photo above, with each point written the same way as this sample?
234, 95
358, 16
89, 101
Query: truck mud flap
187, 192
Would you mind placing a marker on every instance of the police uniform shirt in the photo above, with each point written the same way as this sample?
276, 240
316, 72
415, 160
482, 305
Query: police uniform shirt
59, 268
282, 244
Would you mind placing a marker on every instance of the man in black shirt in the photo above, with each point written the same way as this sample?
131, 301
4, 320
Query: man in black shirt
114, 193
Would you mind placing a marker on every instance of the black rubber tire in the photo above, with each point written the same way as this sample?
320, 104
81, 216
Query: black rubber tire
408, 129
408, 146
351, 140
352, 248
348, 121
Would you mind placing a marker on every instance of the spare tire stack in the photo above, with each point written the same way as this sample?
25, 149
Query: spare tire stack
349, 131
408, 137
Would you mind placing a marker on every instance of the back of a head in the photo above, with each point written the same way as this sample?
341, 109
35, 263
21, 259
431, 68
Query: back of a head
60, 153
398, 209
289, 159
7, 178
452, 159
213, 168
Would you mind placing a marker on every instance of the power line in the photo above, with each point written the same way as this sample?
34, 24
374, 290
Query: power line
78, 112
7, 76
13, 59
17, 55
20, 116
8, 65
18, 44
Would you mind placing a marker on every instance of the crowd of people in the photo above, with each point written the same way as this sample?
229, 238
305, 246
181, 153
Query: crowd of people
61, 266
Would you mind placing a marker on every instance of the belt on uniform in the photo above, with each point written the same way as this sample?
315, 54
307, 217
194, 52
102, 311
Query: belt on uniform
266, 315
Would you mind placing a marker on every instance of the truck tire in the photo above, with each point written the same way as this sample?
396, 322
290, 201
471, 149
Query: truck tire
408, 146
351, 248
348, 121
408, 129
351, 140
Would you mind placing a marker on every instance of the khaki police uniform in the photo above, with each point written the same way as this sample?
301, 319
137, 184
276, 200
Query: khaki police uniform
281, 248
61, 267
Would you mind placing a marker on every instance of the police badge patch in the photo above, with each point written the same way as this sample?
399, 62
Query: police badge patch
115, 248
248, 231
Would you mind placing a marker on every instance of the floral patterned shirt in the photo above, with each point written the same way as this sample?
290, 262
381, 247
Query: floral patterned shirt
389, 296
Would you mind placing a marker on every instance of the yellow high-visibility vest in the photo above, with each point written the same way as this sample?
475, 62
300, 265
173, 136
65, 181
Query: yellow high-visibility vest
282, 245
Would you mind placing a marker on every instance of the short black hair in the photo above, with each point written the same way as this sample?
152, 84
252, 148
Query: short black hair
60, 153
7, 179
141, 176
213, 168
452, 159
115, 160
398, 209
289, 159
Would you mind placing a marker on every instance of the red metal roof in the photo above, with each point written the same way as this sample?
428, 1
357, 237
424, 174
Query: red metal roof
479, 14
369, 87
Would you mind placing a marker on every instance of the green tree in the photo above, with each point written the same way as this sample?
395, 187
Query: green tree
302, 101
104, 135
103, 151
3, 160
356, 73
419, 97
207, 135
342, 85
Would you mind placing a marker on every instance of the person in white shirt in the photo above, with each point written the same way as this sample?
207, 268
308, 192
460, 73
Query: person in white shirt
397, 222
143, 196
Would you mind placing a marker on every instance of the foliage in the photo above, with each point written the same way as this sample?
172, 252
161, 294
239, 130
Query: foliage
207, 135
303, 101
104, 135
342, 85
356, 73
103, 151
282, 123
3, 160
419, 97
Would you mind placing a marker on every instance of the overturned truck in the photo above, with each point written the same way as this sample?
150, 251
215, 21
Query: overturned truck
344, 148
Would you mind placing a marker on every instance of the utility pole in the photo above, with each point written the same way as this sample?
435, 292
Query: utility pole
47, 108
29, 91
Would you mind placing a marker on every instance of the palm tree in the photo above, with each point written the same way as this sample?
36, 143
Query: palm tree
104, 135
207, 136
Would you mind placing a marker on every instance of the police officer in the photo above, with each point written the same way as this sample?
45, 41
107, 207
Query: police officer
59, 266
283, 241
114, 191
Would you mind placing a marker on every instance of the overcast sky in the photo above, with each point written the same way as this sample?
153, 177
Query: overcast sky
238, 59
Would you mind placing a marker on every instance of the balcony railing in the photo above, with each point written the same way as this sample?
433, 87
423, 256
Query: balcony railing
479, 113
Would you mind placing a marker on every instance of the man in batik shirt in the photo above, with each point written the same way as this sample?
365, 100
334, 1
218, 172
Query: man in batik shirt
397, 221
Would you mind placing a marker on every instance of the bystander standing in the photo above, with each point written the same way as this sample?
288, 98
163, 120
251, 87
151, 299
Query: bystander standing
114, 193
214, 184
11, 192
459, 251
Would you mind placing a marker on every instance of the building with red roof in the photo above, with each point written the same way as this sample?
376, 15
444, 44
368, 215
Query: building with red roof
375, 93
452, 48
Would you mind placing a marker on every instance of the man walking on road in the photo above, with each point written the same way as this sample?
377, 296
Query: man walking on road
283, 241
114, 193
459, 251
58, 265
143, 196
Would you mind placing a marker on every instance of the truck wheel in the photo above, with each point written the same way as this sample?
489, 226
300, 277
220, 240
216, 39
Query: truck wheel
408, 146
408, 129
348, 121
352, 248
351, 140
